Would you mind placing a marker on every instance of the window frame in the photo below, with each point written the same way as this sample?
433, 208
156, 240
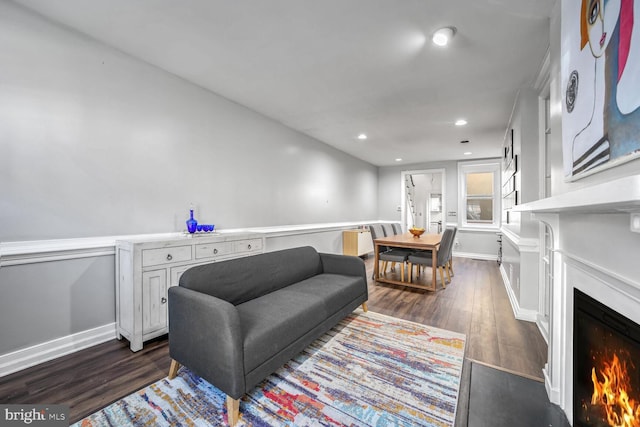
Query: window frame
482, 166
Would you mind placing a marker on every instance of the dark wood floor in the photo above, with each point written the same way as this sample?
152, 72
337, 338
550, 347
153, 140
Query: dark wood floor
475, 303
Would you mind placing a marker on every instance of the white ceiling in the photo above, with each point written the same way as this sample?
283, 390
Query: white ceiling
335, 68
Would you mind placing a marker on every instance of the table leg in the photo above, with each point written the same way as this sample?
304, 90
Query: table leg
376, 261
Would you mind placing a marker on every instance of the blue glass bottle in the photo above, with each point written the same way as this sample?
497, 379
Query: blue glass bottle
192, 224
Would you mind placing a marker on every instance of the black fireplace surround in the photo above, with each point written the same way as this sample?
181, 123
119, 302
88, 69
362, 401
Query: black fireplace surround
606, 358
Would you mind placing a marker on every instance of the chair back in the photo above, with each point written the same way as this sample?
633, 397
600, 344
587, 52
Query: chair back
455, 230
397, 229
445, 246
388, 230
376, 233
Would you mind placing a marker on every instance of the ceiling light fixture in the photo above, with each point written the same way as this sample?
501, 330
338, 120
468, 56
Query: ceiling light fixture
443, 36
468, 153
398, 159
461, 122
362, 137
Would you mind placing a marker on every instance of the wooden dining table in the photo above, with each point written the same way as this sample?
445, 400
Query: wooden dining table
429, 242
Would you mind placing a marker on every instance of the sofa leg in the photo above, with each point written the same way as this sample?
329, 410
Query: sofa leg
364, 307
173, 370
233, 410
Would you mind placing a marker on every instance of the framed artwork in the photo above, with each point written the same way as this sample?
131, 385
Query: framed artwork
511, 153
510, 169
600, 85
508, 150
510, 200
509, 186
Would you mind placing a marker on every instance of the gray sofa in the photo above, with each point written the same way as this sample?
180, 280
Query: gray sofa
235, 322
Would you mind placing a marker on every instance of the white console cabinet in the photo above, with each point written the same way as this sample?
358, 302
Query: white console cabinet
146, 268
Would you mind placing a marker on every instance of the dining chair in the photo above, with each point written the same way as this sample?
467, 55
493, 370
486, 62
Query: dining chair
397, 228
424, 258
387, 254
393, 230
389, 230
449, 264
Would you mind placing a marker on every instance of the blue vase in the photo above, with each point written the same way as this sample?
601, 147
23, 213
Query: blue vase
192, 224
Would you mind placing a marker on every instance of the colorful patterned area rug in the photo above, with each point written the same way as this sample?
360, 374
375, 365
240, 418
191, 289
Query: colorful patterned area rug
370, 370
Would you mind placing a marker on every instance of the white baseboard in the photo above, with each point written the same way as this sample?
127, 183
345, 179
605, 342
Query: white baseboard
519, 312
40, 353
486, 257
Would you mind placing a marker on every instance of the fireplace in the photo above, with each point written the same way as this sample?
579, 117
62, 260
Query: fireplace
606, 365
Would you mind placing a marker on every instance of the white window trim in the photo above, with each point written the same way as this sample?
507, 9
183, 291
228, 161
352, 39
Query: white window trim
478, 166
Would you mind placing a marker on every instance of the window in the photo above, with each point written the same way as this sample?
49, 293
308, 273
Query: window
479, 194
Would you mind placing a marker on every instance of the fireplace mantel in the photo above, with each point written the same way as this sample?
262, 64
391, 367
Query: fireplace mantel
585, 261
620, 195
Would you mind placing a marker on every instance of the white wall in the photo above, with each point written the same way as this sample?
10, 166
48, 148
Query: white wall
470, 243
600, 243
524, 122
520, 239
390, 188
95, 142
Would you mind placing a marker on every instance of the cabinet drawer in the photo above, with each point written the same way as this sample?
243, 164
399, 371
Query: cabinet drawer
210, 250
165, 255
253, 245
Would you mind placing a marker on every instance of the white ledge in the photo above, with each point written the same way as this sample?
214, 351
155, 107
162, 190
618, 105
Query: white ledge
524, 244
285, 230
61, 245
620, 195
27, 252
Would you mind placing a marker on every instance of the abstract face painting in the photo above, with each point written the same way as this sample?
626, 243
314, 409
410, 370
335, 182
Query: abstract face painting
601, 82
599, 29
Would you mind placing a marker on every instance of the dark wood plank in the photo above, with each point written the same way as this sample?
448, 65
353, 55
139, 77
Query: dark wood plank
474, 303
89, 379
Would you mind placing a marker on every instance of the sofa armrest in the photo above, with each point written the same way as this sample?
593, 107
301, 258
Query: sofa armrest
205, 335
343, 264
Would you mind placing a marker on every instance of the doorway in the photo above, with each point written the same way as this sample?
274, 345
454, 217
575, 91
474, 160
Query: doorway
423, 199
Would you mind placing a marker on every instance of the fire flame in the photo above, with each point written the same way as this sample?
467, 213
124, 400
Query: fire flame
612, 393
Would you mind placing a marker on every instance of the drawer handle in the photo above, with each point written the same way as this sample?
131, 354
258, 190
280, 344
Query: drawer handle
215, 251
248, 246
163, 300
169, 257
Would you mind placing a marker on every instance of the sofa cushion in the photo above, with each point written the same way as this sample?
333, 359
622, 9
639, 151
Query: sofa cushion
273, 321
334, 290
243, 279
270, 323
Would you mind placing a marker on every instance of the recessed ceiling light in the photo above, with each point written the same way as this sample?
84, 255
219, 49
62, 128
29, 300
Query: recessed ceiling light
362, 136
443, 36
461, 122
398, 159
468, 153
